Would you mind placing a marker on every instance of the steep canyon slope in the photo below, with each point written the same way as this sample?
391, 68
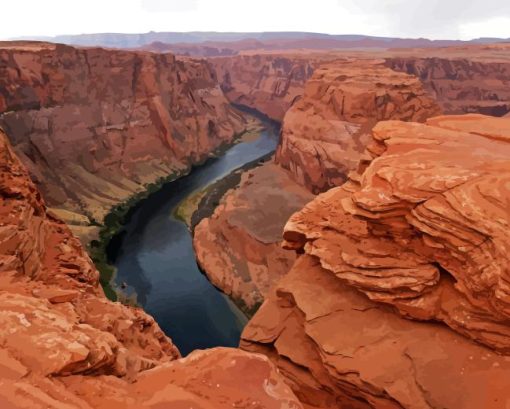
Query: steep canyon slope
420, 233
63, 345
322, 139
328, 103
93, 126
269, 83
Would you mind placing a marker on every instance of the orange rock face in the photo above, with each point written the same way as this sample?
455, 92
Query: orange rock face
55, 317
338, 349
463, 85
64, 345
211, 379
239, 246
94, 126
422, 233
325, 133
269, 83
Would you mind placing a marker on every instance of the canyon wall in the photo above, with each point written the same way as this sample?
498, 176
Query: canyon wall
239, 246
94, 126
325, 132
322, 139
462, 85
269, 83
417, 238
64, 345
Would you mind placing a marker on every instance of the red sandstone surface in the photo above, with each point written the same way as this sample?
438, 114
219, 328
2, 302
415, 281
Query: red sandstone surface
239, 246
93, 126
325, 132
421, 233
64, 345
269, 83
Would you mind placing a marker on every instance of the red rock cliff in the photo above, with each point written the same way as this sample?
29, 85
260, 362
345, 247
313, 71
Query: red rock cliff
325, 132
269, 83
420, 233
64, 345
471, 83
94, 126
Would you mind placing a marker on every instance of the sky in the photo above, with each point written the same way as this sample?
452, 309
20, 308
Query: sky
434, 19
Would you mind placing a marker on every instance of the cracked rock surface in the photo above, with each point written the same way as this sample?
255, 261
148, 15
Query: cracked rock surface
418, 236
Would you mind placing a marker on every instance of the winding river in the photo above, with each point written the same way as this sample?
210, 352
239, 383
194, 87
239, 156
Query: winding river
155, 260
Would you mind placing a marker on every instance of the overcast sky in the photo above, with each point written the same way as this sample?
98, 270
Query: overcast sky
446, 19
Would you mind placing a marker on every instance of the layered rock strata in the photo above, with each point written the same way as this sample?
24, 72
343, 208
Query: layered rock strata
64, 345
269, 83
464, 84
239, 246
94, 126
323, 137
420, 232
325, 132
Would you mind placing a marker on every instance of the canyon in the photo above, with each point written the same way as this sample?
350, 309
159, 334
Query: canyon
326, 127
96, 126
420, 233
64, 345
370, 251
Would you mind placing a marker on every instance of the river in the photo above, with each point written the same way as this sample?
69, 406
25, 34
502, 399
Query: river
154, 257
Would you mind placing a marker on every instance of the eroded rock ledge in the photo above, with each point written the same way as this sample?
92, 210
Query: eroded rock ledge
325, 132
64, 345
239, 246
94, 126
420, 232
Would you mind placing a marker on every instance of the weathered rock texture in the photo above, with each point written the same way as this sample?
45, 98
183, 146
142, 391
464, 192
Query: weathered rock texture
64, 345
325, 132
420, 232
239, 245
323, 137
462, 85
269, 83
94, 126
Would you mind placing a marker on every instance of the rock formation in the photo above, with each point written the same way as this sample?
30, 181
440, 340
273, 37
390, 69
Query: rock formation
239, 246
269, 83
420, 232
462, 85
93, 126
323, 137
325, 132
64, 345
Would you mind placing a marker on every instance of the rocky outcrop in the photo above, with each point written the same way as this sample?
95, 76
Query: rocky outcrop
269, 83
338, 349
211, 379
463, 84
54, 313
421, 232
64, 345
239, 246
325, 132
93, 126
323, 137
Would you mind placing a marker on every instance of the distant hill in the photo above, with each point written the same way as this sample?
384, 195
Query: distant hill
270, 39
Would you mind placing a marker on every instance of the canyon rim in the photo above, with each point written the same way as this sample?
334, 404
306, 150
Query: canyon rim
255, 219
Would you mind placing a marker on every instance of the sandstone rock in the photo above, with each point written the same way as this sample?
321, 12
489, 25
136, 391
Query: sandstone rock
338, 349
239, 246
130, 119
325, 133
426, 227
421, 233
63, 345
216, 378
473, 82
269, 83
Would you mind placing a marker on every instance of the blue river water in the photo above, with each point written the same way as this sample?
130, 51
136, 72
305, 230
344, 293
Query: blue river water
154, 257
